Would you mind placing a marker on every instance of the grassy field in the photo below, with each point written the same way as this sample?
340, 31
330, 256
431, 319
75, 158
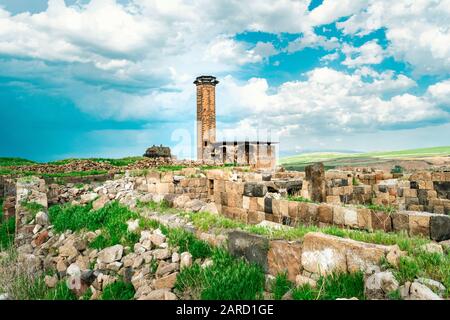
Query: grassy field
332, 160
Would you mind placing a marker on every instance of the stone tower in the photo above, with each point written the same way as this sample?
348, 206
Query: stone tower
206, 113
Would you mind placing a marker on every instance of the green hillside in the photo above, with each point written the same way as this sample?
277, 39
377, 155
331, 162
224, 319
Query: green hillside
333, 159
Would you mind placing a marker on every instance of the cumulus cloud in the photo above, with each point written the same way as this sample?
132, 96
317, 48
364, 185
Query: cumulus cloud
369, 53
310, 39
226, 50
417, 31
329, 101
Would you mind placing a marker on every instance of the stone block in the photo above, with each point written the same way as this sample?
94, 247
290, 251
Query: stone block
324, 254
333, 199
351, 218
325, 213
276, 207
381, 221
364, 219
252, 189
339, 215
268, 205
260, 204
246, 202
400, 221
284, 256
255, 217
293, 209
253, 248
440, 227
253, 204
284, 208
419, 223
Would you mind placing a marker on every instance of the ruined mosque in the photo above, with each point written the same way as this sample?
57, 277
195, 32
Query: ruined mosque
258, 154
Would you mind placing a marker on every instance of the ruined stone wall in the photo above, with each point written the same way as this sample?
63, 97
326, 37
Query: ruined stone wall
251, 202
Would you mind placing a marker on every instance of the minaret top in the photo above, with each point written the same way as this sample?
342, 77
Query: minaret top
206, 80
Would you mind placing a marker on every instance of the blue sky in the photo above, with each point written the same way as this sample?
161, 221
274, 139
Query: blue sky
110, 78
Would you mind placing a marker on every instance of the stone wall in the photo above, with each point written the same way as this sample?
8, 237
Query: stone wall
251, 202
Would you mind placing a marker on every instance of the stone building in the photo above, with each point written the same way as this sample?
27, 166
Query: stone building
259, 154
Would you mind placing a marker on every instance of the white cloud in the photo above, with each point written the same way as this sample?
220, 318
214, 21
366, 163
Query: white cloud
329, 101
330, 57
310, 39
418, 31
369, 53
229, 51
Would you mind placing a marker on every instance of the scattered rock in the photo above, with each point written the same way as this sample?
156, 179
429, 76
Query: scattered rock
394, 255
88, 197
51, 281
175, 257
110, 254
180, 201
185, 260
41, 218
418, 291
133, 225
379, 284
432, 248
166, 281
194, 205
100, 202
73, 270
434, 285
301, 280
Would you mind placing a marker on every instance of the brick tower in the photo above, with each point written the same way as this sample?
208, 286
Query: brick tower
206, 113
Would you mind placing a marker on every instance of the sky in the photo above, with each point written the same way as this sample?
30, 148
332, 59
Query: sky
109, 78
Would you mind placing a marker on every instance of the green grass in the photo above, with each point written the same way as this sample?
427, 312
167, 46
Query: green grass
115, 162
118, 290
111, 219
60, 292
33, 207
7, 229
14, 162
170, 168
299, 199
383, 208
186, 241
228, 278
331, 287
280, 286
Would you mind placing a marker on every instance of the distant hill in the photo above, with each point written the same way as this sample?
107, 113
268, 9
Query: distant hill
335, 159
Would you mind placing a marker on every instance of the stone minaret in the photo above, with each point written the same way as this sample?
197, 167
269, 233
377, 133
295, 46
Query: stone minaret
206, 113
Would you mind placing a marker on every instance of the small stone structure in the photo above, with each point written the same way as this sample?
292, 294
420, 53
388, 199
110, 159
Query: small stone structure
157, 152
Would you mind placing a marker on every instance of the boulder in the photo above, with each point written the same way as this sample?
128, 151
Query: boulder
159, 294
180, 201
194, 205
51, 281
210, 207
110, 254
418, 291
434, 285
379, 284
